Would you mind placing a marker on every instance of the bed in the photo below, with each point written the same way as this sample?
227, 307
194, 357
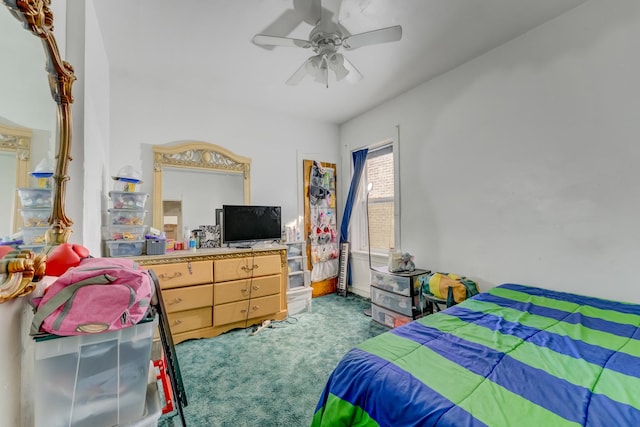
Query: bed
513, 356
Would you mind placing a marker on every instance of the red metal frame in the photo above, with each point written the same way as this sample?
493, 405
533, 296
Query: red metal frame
162, 375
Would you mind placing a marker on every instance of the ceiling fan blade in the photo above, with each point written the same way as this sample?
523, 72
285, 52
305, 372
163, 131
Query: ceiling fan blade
308, 10
264, 40
299, 74
383, 35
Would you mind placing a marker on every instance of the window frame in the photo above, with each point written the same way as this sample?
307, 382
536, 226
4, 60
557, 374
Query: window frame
360, 235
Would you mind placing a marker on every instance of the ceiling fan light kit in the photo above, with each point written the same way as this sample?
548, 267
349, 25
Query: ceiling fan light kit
325, 39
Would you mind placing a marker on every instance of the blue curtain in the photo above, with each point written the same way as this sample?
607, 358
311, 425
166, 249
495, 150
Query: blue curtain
359, 159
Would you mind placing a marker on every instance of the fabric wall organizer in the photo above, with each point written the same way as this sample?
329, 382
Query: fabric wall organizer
323, 232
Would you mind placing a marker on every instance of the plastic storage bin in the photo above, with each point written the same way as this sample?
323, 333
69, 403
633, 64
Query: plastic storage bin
35, 217
156, 246
295, 249
397, 284
92, 380
120, 248
35, 197
395, 302
33, 248
126, 216
296, 280
152, 409
296, 264
387, 317
127, 200
34, 235
299, 300
125, 232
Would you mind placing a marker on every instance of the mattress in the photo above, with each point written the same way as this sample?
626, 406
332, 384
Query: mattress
513, 356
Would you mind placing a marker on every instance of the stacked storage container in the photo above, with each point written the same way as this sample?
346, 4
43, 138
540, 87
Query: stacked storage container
35, 211
124, 234
299, 288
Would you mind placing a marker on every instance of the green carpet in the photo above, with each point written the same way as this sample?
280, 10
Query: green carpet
275, 377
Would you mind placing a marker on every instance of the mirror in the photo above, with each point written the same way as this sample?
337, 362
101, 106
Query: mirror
213, 176
15, 151
19, 82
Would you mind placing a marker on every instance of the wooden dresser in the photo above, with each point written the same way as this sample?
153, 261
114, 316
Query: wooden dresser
212, 291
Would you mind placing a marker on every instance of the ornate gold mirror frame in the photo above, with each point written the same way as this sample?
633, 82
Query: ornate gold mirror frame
196, 155
17, 140
17, 274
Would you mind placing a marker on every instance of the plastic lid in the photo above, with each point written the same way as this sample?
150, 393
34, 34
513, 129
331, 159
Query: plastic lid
129, 174
44, 168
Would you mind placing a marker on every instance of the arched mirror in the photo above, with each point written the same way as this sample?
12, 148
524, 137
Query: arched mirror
193, 179
35, 94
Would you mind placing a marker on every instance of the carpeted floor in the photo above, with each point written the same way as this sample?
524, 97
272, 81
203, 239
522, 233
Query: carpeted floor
275, 377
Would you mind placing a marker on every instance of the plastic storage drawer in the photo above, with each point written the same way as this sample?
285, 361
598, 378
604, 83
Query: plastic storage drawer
125, 232
35, 217
299, 300
127, 200
295, 249
395, 302
387, 317
34, 235
392, 283
120, 248
296, 264
35, 197
126, 216
296, 280
93, 380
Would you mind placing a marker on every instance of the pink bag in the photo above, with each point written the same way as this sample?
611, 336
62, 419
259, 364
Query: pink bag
99, 295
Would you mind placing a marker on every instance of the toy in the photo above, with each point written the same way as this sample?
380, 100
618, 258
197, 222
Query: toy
407, 263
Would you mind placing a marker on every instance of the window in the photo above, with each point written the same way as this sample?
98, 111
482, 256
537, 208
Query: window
379, 172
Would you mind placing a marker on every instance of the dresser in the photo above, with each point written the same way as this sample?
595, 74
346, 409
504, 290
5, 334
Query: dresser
212, 291
396, 297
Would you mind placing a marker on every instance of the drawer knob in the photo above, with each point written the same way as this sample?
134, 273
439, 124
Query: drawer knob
244, 290
244, 310
165, 276
175, 301
256, 287
177, 322
255, 307
247, 268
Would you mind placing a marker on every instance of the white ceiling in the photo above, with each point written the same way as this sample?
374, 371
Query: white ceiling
205, 46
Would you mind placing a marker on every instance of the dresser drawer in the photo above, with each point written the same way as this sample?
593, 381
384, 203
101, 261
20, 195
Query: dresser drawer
189, 320
243, 289
180, 299
241, 310
242, 268
183, 273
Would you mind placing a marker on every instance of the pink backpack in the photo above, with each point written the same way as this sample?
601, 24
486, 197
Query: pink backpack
99, 295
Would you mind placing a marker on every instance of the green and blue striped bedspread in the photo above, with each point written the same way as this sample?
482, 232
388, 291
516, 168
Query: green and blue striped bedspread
513, 356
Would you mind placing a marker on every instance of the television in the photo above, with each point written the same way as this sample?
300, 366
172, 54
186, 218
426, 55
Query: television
247, 223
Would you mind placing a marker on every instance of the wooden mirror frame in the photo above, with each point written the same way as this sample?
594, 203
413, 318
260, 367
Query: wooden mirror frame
17, 140
36, 17
200, 156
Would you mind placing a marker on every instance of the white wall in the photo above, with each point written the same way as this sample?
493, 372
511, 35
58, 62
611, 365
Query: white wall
147, 113
520, 166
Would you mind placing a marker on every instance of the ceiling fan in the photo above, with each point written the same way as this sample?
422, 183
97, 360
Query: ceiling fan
325, 40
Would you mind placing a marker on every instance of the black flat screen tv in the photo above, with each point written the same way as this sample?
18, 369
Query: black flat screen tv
246, 223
